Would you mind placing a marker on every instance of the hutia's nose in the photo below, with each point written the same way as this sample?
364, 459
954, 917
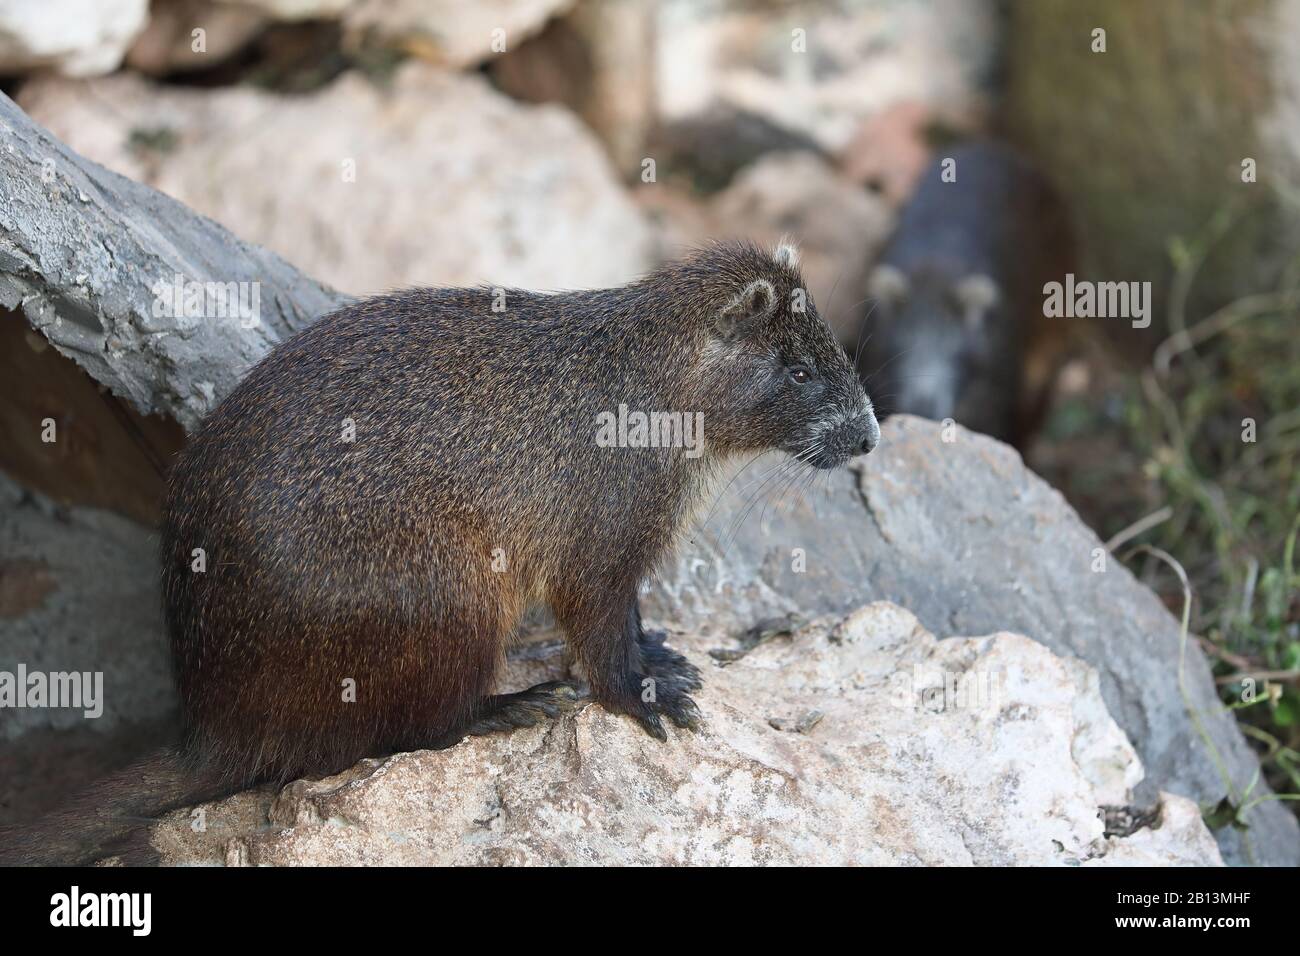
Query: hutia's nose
872, 437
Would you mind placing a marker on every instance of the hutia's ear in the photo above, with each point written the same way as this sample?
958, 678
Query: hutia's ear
786, 254
751, 304
974, 296
888, 284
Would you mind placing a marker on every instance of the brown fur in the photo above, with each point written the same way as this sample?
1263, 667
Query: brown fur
99, 821
372, 560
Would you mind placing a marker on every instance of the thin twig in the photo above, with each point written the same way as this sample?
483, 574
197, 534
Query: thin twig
1139, 526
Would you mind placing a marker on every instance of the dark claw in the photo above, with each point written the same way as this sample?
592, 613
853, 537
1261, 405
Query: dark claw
671, 701
684, 712
653, 725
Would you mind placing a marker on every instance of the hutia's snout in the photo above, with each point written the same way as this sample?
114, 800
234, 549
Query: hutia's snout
849, 438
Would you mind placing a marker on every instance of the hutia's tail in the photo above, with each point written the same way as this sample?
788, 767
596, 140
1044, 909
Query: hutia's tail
105, 816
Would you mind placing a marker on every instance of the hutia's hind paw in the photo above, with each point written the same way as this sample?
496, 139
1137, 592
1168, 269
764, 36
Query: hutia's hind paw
525, 708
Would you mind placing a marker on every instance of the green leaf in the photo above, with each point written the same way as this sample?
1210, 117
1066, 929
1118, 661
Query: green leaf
1286, 712
1222, 814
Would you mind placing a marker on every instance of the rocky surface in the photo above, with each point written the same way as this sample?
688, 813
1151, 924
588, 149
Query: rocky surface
78, 592
962, 534
837, 744
73, 37
79, 564
433, 180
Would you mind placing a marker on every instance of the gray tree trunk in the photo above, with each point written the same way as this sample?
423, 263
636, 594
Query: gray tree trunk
82, 250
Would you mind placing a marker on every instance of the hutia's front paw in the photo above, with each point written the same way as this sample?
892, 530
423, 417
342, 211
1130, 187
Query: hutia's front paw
659, 699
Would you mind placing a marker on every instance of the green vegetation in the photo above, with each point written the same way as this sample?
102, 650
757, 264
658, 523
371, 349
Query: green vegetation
1215, 424
1219, 424
1196, 458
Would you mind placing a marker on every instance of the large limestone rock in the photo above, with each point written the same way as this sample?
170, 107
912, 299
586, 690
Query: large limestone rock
73, 37
961, 533
837, 744
437, 180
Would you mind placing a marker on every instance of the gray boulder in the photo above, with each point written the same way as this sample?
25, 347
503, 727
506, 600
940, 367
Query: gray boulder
968, 539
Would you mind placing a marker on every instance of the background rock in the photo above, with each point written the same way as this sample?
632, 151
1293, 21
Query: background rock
78, 592
971, 541
598, 60
295, 9
838, 225
167, 44
436, 180
1015, 773
889, 152
706, 150
79, 564
448, 32
73, 37
863, 57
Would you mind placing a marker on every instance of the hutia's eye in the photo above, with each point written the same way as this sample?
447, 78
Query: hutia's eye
801, 374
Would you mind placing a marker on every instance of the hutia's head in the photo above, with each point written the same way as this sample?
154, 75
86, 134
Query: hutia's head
939, 348
772, 373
